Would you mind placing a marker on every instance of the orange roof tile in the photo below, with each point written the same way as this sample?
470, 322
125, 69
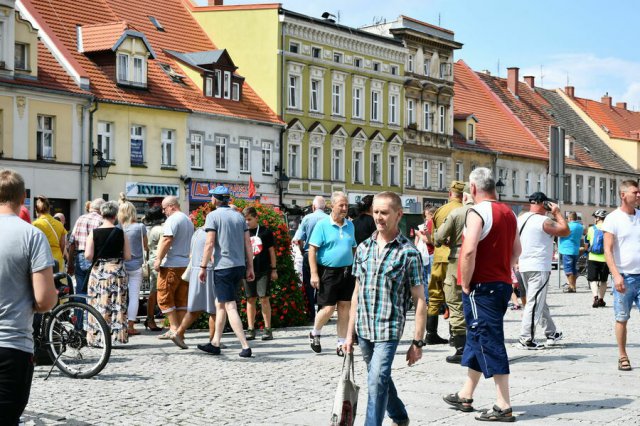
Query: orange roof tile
497, 129
58, 18
621, 123
101, 37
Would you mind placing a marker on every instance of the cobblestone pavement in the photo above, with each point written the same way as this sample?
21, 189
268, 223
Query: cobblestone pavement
152, 382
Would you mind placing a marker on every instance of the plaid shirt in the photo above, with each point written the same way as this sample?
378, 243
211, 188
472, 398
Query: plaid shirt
385, 282
84, 225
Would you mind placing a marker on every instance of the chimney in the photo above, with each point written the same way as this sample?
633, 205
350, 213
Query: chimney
216, 2
606, 99
530, 80
570, 91
622, 105
512, 80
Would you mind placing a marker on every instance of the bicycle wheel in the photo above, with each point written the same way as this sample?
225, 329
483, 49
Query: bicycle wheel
78, 340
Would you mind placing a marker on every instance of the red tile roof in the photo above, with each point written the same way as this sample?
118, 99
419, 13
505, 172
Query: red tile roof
621, 123
58, 19
497, 129
100, 37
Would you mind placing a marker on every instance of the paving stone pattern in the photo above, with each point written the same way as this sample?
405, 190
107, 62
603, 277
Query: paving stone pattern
153, 382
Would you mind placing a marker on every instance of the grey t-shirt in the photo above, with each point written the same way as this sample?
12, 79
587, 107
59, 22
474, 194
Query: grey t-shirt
180, 228
23, 249
230, 227
135, 233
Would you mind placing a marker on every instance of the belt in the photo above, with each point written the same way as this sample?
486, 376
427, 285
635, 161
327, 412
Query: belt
79, 251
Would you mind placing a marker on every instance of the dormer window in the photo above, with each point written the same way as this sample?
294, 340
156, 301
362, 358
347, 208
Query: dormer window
235, 92
471, 132
227, 85
132, 70
569, 143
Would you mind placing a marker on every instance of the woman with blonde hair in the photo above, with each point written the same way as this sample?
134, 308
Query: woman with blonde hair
53, 230
136, 234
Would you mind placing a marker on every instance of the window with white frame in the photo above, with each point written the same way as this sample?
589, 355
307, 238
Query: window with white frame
315, 162
316, 95
394, 70
591, 190
471, 130
602, 193
410, 59
441, 175
131, 69
294, 47
426, 110
45, 137
168, 142
337, 164
459, 171
217, 87
376, 66
357, 102
316, 52
569, 143
294, 92
137, 141
227, 85
196, 151
579, 189
123, 68
294, 160
21, 56
426, 174
613, 194
426, 67
393, 109
358, 167
393, 170
411, 112
235, 92
244, 147
376, 169
409, 172
221, 153
514, 182
337, 99
357, 62
338, 57
527, 183
541, 184
375, 106
567, 189
267, 149
442, 119
445, 69
208, 86
104, 140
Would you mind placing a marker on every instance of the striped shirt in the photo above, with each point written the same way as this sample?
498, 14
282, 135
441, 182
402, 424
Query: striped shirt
84, 225
385, 282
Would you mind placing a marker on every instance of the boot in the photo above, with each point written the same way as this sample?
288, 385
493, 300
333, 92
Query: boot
432, 332
459, 341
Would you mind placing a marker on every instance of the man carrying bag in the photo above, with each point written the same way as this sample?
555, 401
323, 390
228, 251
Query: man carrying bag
346, 402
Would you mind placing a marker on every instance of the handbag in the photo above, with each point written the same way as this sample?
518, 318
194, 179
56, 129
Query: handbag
186, 275
346, 401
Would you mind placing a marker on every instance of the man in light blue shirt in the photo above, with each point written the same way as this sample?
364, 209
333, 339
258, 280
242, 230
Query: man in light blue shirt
569, 248
302, 239
331, 248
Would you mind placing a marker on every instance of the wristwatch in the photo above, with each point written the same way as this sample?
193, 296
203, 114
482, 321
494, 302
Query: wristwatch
419, 343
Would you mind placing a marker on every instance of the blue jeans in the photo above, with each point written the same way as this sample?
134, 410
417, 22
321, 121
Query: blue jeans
382, 392
427, 278
623, 302
82, 266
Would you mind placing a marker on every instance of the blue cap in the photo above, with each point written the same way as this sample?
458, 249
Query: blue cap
219, 190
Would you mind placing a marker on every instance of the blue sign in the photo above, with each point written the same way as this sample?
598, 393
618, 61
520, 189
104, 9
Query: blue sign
137, 155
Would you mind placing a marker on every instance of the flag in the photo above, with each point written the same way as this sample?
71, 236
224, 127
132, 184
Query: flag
252, 188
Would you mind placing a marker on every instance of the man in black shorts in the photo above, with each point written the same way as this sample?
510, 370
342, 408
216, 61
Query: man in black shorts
597, 269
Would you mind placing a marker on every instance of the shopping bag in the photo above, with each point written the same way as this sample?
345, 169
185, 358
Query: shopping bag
346, 401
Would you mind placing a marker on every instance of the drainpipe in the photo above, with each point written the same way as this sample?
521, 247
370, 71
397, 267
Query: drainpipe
282, 101
91, 112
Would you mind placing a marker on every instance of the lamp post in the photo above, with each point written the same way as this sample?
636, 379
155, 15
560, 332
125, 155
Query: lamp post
101, 168
500, 188
283, 185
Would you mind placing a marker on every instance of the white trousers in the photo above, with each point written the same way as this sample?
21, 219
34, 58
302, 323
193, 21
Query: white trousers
135, 279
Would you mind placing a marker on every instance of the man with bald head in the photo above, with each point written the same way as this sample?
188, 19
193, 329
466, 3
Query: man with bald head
171, 261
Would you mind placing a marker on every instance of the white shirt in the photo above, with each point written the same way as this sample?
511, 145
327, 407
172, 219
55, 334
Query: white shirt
537, 245
626, 244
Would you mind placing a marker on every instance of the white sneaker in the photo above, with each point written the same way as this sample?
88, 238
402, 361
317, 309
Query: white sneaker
551, 340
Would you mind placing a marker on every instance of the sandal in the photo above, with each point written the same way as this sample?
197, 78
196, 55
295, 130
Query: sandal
497, 415
166, 336
462, 404
624, 364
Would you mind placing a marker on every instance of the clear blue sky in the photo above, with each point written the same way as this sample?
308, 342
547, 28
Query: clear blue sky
594, 44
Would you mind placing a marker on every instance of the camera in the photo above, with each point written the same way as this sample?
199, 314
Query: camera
547, 205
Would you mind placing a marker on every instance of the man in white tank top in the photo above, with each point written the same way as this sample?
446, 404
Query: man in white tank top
536, 235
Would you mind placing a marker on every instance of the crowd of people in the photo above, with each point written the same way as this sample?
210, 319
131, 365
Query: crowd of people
463, 262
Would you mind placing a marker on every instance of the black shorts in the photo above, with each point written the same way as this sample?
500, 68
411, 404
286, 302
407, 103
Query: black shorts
597, 271
16, 372
336, 285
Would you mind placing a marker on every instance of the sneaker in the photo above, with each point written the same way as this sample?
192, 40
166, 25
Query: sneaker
315, 343
602, 303
209, 348
595, 302
551, 340
245, 353
529, 345
251, 334
267, 335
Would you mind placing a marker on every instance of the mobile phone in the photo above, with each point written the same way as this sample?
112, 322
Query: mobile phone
546, 205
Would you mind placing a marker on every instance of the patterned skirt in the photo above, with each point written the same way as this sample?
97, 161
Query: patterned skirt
110, 296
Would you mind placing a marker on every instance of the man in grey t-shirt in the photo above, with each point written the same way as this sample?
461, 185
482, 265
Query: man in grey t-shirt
26, 286
227, 231
171, 261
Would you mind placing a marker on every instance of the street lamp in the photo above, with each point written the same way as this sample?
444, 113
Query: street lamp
500, 188
101, 168
283, 184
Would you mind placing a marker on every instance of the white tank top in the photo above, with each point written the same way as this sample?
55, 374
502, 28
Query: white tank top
537, 245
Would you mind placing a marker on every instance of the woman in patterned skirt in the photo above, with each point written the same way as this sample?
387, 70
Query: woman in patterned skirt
108, 280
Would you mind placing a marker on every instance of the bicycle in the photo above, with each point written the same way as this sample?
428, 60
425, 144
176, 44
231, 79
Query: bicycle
74, 334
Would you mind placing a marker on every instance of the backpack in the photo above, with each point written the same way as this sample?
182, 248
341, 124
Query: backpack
597, 245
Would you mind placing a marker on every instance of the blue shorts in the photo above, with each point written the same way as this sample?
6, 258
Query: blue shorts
226, 283
623, 302
569, 262
484, 309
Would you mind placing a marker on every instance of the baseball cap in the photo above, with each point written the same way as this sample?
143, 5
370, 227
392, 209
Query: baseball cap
538, 197
220, 192
457, 187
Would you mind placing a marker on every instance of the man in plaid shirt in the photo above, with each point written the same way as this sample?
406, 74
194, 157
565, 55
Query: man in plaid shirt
388, 270
77, 264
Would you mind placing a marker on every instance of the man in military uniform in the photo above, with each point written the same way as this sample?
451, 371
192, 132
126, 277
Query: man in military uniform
450, 234
439, 268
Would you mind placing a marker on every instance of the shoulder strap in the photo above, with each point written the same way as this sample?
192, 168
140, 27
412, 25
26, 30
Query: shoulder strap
524, 224
52, 228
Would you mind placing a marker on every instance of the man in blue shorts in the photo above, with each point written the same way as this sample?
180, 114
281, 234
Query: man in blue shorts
569, 248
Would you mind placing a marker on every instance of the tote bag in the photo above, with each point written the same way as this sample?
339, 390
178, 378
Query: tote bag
346, 401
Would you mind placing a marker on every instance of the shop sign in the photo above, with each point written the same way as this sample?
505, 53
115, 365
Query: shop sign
148, 190
199, 190
355, 198
408, 201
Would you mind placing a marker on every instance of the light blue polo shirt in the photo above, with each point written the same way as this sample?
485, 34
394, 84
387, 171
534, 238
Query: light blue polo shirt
335, 243
306, 227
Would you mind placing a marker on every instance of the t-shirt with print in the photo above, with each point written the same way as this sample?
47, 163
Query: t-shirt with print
229, 226
626, 245
261, 246
135, 233
24, 250
180, 228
